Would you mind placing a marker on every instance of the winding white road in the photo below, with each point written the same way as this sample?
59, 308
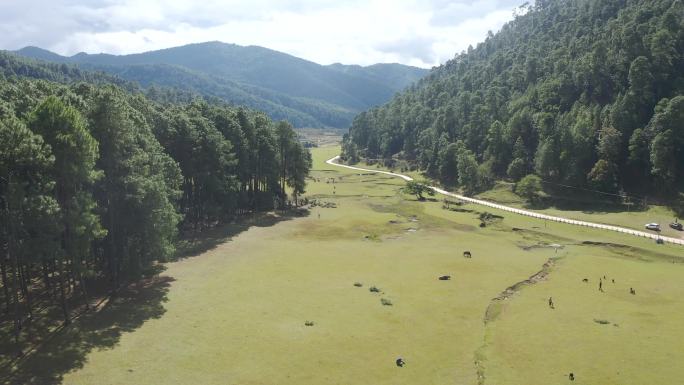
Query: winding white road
333, 162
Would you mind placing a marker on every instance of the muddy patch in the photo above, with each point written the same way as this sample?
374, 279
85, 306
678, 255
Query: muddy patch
542, 245
493, 310
634, 253
533, 239
496, 307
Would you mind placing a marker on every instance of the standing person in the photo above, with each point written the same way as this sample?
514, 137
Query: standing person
600, 284
551, 303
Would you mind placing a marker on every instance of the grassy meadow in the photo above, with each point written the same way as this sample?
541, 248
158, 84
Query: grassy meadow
584, 207
593, 210
233, 311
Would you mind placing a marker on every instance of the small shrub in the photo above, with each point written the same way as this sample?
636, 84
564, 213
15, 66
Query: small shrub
372, 237
679, 205
358, 284
309, 323
457, 209
448, 203
374, 289
529, 187
489, 217
385, 302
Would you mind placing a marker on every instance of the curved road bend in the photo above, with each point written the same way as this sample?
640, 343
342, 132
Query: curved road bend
333, 162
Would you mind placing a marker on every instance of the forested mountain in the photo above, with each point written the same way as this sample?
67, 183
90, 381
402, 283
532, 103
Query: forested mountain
581, 92
96, 180
285, 87
389, 73
12, 66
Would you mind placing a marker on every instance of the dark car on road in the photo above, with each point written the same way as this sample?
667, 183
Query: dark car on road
677, 226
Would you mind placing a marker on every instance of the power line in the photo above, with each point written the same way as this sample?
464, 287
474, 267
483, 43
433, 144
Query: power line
636, 197
595, 191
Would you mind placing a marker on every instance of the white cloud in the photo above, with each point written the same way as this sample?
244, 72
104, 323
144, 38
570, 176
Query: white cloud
422, 33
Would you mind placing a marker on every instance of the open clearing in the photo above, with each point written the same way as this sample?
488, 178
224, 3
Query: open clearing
531, 213
596, 209
236, 313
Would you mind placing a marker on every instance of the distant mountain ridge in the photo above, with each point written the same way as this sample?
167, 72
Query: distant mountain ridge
284, 86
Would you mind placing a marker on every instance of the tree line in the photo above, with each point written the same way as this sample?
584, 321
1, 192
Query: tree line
588, 93
96, 182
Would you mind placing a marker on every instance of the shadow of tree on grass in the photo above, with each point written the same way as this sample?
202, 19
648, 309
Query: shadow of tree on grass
587, 207
61, 351
67, 349
192, 245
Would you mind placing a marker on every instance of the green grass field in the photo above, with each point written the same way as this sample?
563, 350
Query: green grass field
595, 207
594, 212
236, 313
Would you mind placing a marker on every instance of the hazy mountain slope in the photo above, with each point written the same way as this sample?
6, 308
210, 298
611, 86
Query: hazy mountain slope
299, 112
41, 54
12, 65
387, 73
320, 95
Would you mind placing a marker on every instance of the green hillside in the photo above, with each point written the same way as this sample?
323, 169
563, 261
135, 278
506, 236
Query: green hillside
582, 93
284, 86
12, 66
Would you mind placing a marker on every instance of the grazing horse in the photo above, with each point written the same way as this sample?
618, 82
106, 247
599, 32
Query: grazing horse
467, 254
585, 280
445, 278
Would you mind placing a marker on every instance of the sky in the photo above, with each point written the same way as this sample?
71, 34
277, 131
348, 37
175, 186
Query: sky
422, 33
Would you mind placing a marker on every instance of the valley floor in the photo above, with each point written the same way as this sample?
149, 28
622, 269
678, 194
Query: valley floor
585, 206
236, 313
